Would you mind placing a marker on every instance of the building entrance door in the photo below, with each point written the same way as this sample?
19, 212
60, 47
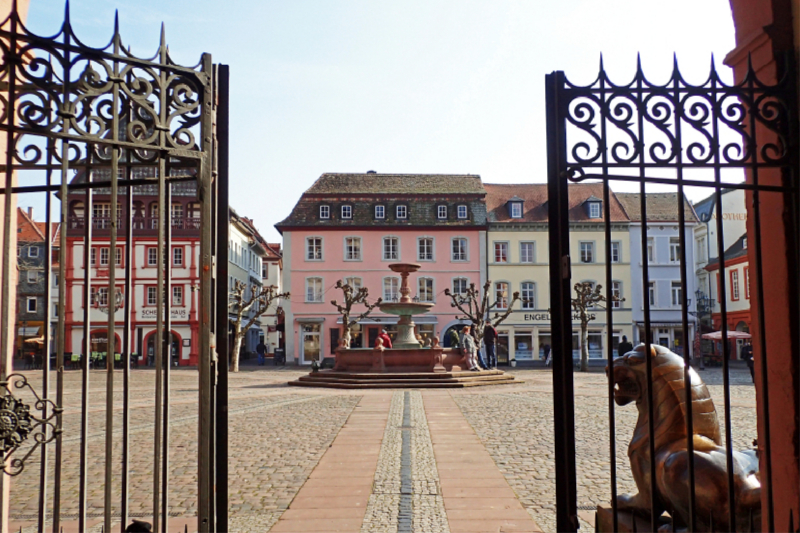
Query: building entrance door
310, 343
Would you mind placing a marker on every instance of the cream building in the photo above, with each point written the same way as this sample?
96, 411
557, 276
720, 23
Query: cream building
517, 261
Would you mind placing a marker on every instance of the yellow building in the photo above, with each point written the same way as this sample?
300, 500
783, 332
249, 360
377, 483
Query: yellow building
517, 261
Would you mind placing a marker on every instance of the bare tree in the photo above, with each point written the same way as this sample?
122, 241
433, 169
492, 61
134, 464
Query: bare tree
352, 296
259, 302
477, 307
588, 297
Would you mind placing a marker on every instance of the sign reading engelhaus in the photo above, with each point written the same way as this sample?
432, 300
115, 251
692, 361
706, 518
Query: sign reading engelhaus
545, 317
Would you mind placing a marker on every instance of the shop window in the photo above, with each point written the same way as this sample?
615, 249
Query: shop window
523, 345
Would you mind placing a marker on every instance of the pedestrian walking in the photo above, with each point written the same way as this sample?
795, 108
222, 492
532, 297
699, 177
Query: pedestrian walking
261, 350
490, 340
470, 350
547, 353
747, 355
624, 347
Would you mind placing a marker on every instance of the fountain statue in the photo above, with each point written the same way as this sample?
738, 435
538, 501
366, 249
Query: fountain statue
406, 308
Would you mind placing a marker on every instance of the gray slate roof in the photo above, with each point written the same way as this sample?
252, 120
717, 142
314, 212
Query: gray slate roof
344, 183
661, 207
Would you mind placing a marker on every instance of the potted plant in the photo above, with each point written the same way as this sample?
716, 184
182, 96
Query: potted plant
513, 362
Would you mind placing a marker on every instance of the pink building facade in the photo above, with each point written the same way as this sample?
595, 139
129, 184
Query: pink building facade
351, 227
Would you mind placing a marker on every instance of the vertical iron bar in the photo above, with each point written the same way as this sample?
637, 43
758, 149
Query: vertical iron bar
6, 327
687, 364
87, 339
167, 348
222, 237
112, 289
560, 303
726, 390
612, 431
640, 106
765, 459
127, 295
48, 257
205, 190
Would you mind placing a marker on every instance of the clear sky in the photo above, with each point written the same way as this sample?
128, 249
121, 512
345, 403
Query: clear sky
421, 86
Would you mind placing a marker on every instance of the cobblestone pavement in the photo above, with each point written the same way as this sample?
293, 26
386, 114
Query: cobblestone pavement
516, 426
279, 433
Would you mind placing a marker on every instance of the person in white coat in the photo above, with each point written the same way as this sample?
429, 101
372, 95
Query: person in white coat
470, 350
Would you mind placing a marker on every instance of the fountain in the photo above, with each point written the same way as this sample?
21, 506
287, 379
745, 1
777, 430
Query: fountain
406, 363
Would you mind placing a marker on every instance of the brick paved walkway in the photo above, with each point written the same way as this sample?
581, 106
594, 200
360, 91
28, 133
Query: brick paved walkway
474, 459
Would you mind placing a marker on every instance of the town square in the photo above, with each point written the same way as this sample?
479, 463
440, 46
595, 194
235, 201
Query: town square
424, 266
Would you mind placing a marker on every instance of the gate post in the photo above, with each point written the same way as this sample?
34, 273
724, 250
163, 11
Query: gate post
560, 306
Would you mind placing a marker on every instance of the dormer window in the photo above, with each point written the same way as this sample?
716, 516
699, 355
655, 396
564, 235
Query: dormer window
380, 212
514, 206
593, 207
347, 212
461, 211
325, 211
401, 212
441, 212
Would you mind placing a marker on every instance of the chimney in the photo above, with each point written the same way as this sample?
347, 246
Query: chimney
30, 213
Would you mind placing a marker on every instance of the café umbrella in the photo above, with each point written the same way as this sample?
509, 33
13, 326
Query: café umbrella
717, 335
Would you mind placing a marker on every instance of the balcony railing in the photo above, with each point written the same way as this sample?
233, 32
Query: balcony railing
140, 225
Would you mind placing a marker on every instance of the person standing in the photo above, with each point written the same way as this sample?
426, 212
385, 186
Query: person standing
261, 350
384, 336
453, 337
490, 340
747, 355
624, 347
470, 350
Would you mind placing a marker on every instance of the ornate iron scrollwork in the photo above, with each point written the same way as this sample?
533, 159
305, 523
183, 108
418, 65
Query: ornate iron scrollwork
18, 424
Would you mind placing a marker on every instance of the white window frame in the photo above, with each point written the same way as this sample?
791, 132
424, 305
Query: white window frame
516, 210
152, 296
384, 255
616, 246
355, 282
594, 210
432, 249
177, 295
523, 255
104, 256
352, 248
101, 297
33, 251
462, 212
31, 300
457, 290
463, 256
380, 211
441, 212
502, 302
317, 295
736, 294
394, 286
118, 256
346, 212
501, 246
425, 293
675, 293
401, 212
674, 250
324, 212
591, 258
652, 295
651, 250
308, 249
152, 256
528, 303
616, 290
33, 276
177, 261
702, 248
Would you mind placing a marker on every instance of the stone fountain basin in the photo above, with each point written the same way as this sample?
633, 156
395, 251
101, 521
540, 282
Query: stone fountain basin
410, 308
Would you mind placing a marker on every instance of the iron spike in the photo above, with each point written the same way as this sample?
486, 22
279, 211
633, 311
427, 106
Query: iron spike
14, 12
675, 62
163, 35
639, 63
116, 22
601, 62
66, 12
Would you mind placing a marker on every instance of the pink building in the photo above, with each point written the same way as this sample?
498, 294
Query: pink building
352, 226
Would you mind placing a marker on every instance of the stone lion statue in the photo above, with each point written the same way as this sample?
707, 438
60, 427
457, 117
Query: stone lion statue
672, 457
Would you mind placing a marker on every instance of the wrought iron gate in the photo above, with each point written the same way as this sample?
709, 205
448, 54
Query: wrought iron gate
97, 132
678, 135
